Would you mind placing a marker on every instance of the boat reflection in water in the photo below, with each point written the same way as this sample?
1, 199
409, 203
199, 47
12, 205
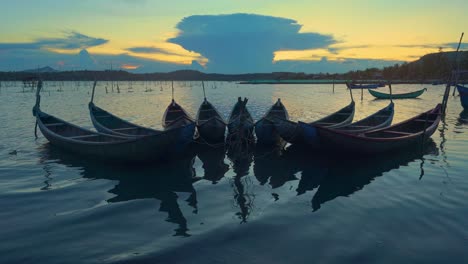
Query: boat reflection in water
139, 182
241, 156
331, 177
213, 163
463, 119
271, 166
343, 176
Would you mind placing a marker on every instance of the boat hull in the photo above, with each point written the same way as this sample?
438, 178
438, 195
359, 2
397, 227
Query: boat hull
343, 143
266, 133
422, 127
212, 130
463, 91
240, 129
381, 119
411, 95
136, 150
177, 137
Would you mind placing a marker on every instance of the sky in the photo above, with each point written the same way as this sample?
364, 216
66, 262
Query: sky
225, 36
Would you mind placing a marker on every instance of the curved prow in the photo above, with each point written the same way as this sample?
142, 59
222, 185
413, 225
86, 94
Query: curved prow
92, 94
37, 106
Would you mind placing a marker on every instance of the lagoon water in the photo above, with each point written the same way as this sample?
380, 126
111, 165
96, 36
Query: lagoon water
271, 207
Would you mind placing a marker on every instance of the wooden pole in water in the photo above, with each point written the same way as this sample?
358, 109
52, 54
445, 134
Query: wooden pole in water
458, 64
391, 94
172, 85
333, 85
94, 88
351, 93
204, 94
449, 83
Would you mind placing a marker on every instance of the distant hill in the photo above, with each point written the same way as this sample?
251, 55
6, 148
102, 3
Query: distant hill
428, 68
42, 70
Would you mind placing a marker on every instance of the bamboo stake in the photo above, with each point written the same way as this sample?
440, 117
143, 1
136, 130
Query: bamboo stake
204, 94
351, 93
449, 83
391, 94
458, 64
94, 88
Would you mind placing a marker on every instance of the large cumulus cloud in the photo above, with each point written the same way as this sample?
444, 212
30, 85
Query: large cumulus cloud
239, 43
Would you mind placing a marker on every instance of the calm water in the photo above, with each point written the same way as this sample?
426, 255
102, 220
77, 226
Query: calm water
270, 207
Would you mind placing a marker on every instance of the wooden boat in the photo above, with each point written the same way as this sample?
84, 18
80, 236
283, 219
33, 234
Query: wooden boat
412, 131
305, 133
240, 124
463, 91
380, 119
380, 95
365, 86
175, 116
265, 127
211, 126
90, 144
105, 122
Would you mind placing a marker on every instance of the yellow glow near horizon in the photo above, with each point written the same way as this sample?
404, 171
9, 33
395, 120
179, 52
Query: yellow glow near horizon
365, 29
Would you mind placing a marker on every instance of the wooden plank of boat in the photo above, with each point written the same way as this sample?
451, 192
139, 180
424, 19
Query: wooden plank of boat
240, 124
380, 119
265, 127
90, 144
410, 95
463, 91
304, 133
392, 138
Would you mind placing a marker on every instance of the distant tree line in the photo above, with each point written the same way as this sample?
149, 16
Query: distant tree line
435, 66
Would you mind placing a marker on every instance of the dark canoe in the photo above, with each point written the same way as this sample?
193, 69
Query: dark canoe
177, 139
265, 127
463, 91
90, 144
305, 133
380, 119
240, 124
412, 131
380, 95
175, 116
365, 86
211, 126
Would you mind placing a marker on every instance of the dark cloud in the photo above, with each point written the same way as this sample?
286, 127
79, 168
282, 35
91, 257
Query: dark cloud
72, 40
454, 45
331, 66
238, 43
451, 45
336, 50
150, 50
